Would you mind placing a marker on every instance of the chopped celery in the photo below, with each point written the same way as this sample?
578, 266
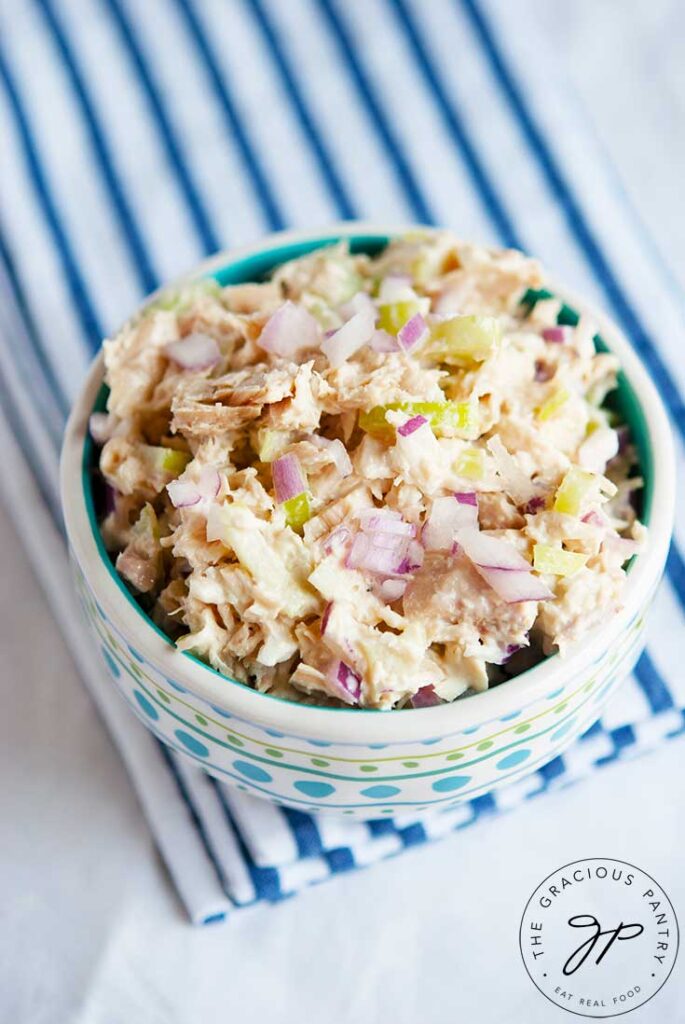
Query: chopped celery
178, 300
463, 340
298, 510
170, 460
470, 464
553, 559
573, 489
270, 443
392, 316
553, 404
446, 418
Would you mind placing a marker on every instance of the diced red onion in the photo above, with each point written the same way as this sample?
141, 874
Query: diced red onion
111, 495
184, 493
377, 514
381, 341
100, 427
395, 288
337, 539
426, 697
194, 352
466, 498
623, 546
535, 505
392, 590
291, 329
447, 516
411, 425
287, 477
491, 552
414, 331
557, 335
384, 523
623, 434
594, 519
515, 586
349, 338
365, 554
359, 303
326, 616
346, 682
337, 450
415, 555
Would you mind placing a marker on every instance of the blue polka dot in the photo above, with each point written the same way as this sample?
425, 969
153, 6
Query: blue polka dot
175, 686
220, 711
511, 760
377, 746
274, 732
252, 771
555, 693
145, 705
508, 718
429, 743
135, 654
315, 789
318, 743
473, 728
451, 782
380, 792
558, 733
111, 663
100, 612
191, 744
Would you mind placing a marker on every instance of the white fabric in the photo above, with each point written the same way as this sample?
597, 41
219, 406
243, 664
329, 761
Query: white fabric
90, 930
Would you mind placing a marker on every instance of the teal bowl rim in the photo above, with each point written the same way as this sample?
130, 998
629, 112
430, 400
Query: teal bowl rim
254, 264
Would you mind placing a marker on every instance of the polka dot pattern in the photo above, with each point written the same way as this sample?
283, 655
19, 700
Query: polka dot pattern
352, 778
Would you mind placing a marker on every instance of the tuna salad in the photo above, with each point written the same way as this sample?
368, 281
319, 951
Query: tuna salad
377, 481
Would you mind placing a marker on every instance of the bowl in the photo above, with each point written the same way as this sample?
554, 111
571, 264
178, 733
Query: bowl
364, 763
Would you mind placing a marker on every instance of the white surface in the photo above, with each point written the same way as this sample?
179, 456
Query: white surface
90, 931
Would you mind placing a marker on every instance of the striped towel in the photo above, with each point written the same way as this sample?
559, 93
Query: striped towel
138, 138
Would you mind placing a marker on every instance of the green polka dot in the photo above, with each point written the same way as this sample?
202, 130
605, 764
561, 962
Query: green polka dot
559, 708
273, 753
132, 667
410, 764
240, 786
588, 686
234, 740
387, 810
163, 696
348, 812
200, 720
485, 745
456, 756
524, 727
319, 763
368, 767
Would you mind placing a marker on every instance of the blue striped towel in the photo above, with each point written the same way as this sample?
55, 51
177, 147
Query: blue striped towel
138, 138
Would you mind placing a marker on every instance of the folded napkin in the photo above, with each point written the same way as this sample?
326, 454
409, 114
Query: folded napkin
139, 137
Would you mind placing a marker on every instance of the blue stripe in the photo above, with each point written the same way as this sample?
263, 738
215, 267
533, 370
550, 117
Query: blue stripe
412, 835
339, 860
305, 832
266, 880
32, 333
199, 215
146, 275
653, 686
457, 129
381, 827
332, 180
77, 290
271, 210
400, 164
563, 193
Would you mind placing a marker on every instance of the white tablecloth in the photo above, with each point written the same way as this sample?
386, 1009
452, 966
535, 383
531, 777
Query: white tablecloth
90, 930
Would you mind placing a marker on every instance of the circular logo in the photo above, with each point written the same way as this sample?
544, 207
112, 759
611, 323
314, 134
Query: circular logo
599, 937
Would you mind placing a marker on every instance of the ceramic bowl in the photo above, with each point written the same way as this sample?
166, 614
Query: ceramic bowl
364, 763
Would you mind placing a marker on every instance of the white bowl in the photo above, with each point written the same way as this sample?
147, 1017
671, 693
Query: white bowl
361, 762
